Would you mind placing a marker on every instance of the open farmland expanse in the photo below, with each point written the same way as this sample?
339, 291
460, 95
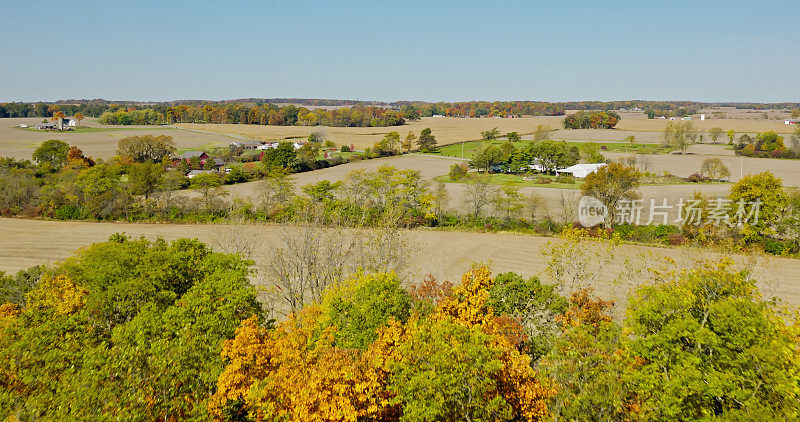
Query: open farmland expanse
450, 130
446, 129
552, 198
738, 125
445, 255
102, 143
102, 140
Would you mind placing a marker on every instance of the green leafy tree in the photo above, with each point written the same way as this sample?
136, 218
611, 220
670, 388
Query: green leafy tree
552, 155
587, 362
145, 179
534, 304
513, 137
361, 305
426, 141
488, 135
488, 157
307, 155
458, 171
13, 289
283, 157
51, 155
769, 141
508, 202
207, 184
714, 133
446, 371
388, 145
321, 191
768, 191
408, 142
147, 148
590, 153
708, 346
731, 136
611, 184
132, 329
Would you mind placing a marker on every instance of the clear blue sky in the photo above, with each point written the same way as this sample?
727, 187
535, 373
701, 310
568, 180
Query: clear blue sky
404, 50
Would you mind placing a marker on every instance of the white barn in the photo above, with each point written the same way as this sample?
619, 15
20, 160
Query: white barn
581, 170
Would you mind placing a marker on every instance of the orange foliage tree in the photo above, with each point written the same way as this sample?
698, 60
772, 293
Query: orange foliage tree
295, 371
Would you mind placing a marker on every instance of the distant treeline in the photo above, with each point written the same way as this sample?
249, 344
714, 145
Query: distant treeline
263, 114
415, 109
47, 110
363, 113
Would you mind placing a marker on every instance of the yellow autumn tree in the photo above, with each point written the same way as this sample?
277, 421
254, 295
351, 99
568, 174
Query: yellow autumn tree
468, 306
9, 381
294, 373
59, 293
297, 372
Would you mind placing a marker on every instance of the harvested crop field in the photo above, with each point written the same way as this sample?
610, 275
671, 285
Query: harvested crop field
99, 143
446, 255
447, 130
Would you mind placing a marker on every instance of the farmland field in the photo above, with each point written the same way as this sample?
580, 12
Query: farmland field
100, 141
430, 167
95, 140
445, 255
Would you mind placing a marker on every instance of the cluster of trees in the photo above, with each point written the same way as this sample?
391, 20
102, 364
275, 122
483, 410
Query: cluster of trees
652, 112
628, 104
414, 110
769, 145
547, 154
91, 109
391, 144
140, 330
680, 135
126, 329
259, 114
591, 120
774, 230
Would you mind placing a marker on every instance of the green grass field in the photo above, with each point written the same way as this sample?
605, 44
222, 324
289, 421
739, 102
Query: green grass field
468, 149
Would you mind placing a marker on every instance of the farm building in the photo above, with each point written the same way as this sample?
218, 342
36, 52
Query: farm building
274, 144
194, 173
245, 145
188, 155
205, 160
792, 121
581, 170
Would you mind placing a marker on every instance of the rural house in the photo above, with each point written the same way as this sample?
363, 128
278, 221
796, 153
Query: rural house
207, 162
